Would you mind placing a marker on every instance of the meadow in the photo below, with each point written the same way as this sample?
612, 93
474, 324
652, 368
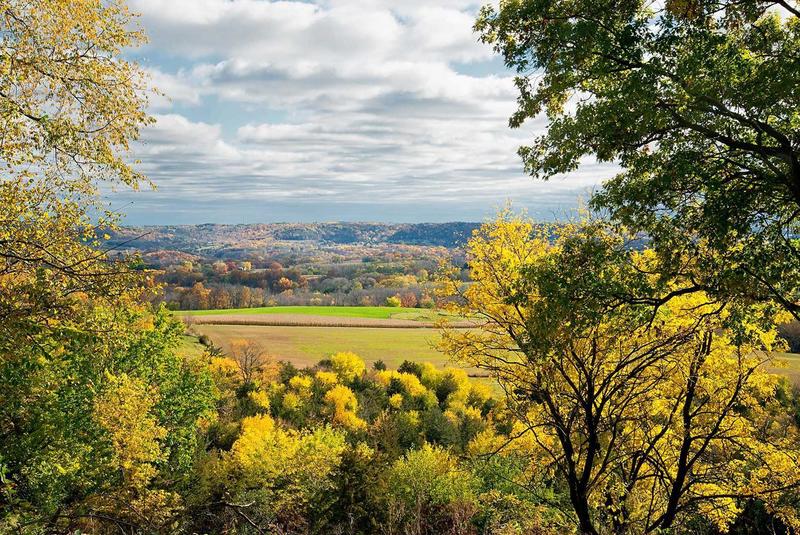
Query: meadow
305, 346
371, 312
787, 364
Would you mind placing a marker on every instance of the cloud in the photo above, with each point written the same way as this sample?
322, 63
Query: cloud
340, 102
172, 88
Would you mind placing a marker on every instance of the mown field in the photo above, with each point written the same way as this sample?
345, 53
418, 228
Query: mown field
305, 346
419, 314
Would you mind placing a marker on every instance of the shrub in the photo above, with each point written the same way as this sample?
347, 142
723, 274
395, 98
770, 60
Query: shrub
408, 300
414, 368
429, 492
393, 301
348, 366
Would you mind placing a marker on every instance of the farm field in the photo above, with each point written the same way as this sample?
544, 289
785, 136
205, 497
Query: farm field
305, 346
333, 311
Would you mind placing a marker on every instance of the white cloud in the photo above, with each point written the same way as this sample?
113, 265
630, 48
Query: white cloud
172, 88
342, 100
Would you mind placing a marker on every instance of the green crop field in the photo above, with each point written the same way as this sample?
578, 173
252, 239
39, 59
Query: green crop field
332, 311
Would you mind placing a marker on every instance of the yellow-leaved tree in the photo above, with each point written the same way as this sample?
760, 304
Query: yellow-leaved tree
69, 107
652, 410
74, 441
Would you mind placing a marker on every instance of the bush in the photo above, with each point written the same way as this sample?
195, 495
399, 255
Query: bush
414, 368
408, 300
428, 492
393, 301
348, 366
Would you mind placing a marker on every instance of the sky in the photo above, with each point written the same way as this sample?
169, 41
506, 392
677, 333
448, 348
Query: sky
331, 110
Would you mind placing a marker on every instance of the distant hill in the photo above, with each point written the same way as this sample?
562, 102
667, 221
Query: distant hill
211, 238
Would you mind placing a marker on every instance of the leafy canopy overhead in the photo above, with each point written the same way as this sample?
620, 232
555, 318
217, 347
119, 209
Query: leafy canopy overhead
697, 100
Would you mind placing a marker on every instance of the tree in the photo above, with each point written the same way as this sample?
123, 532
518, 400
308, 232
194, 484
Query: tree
393, 301
283, 284
271, 477
343, 407
68, 424
244, 297
125, 413
219, 298
408, 300
199, 297
348, 366
96, 406
251, 359
428, 492
69, 106
651, 416
696, 100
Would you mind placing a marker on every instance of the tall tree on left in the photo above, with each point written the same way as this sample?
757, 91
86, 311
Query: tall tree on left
77, 338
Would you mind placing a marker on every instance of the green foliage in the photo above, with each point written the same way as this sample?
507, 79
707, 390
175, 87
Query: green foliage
696, 100
59, 454
427, 492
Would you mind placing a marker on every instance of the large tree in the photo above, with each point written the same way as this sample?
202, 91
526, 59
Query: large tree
98, 414
69, 107
697, 100
653, 419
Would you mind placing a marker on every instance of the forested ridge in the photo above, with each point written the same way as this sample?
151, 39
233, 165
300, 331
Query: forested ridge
218, 239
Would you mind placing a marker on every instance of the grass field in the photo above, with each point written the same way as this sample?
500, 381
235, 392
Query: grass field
190, 348
416, 314
305, 346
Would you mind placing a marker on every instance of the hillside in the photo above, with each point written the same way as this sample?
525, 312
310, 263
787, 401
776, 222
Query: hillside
233, 240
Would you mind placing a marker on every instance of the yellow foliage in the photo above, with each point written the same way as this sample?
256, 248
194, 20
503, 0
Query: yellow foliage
327, 379
123, 410
396, 401
410, 382
553, 336
301, 384
345, 405
224, 371
291, 401
287, 466
260, 399
348, 366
